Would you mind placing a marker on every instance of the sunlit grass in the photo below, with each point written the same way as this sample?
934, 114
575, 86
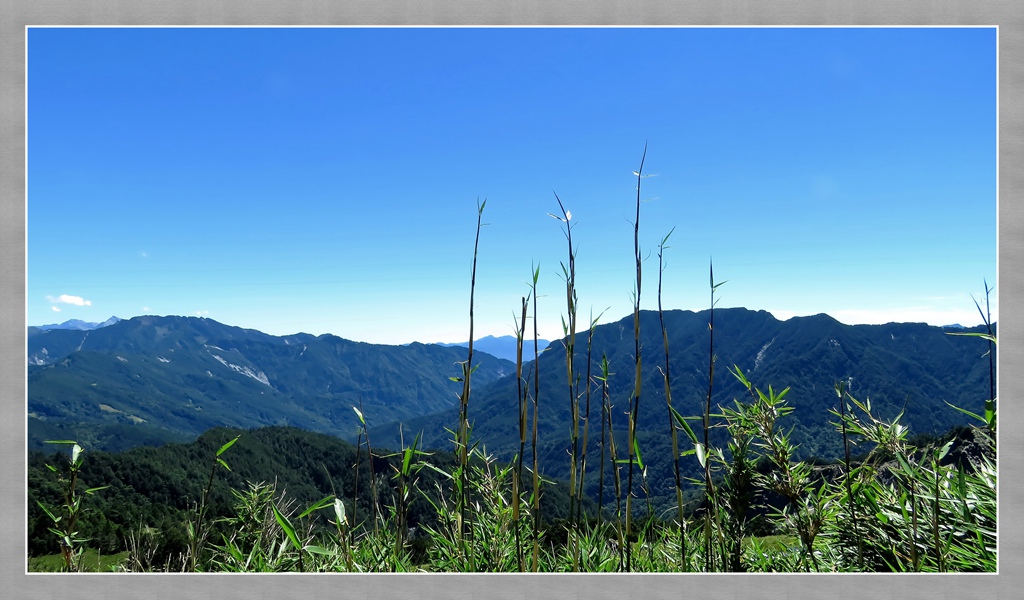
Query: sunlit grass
91, 561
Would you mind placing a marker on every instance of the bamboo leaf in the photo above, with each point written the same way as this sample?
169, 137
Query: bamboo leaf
967, 412
315, 507
406, 459
667, 235
738, 374
437, 470
636, 450
224, 448
287, 527
47, 511
232, 549
983, 336
701, 458
683, 424
320, 550
942, 452
903, 463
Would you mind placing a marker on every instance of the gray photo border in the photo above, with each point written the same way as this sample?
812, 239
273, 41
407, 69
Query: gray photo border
1006, 15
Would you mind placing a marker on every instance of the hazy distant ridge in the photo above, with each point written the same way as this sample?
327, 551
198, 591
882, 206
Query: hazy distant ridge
77, 324
502, 347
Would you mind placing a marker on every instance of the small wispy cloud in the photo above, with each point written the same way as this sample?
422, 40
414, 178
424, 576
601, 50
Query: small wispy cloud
200, 313
68, 299
55, 309
146, 309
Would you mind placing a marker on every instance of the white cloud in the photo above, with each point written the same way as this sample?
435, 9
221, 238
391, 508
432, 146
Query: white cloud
200, 313
68, 299
55, 309
146, 309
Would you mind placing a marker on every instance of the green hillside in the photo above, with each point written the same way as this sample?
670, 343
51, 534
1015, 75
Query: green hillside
158, 489
160, 378
897, 366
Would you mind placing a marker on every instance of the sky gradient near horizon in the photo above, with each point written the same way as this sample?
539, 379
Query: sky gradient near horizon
326, 180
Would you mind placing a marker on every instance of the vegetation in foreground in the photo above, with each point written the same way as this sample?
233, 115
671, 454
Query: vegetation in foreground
891, 506
929, 509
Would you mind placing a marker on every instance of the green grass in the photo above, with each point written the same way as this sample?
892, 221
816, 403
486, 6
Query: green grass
91, 562
776, 543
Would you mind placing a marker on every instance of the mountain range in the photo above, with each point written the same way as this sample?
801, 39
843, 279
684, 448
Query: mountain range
149, 380
163, 378
76, 324
909, 367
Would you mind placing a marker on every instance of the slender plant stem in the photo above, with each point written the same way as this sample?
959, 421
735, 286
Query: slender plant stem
671, 419
355, 490
939, 554
709, 488
375, 509
616, 473
521, 397
535, 566
635, 409
569, 329
841, 392
586, 414
463, 438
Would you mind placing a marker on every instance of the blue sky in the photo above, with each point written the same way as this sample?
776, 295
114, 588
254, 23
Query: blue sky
326, 180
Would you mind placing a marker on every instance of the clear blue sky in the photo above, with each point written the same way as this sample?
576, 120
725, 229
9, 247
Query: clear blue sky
326, 180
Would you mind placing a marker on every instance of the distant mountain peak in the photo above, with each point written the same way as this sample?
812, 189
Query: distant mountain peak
79, 325
502, 347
